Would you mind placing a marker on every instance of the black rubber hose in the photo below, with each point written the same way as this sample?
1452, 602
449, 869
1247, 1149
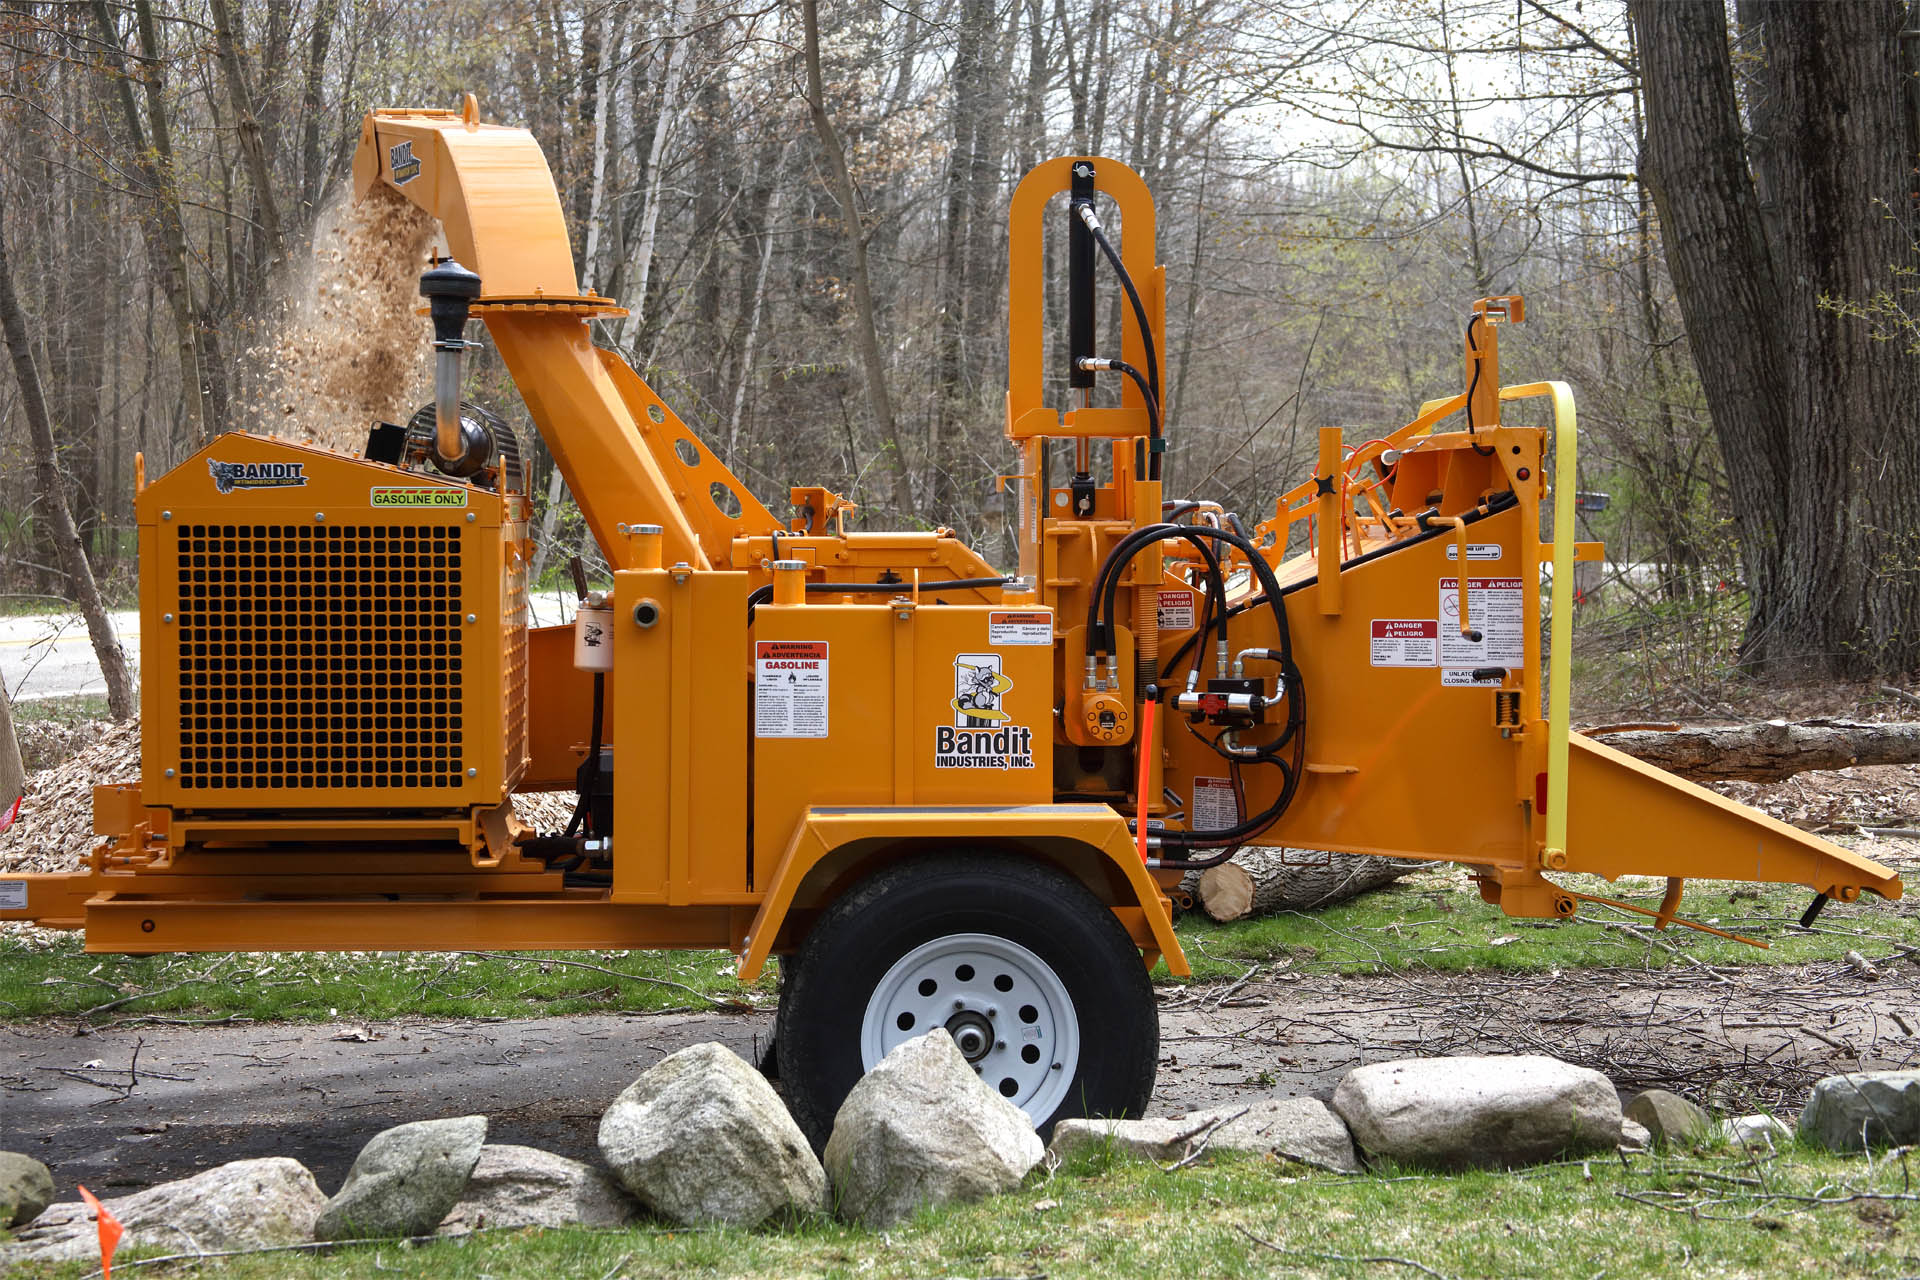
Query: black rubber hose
1100, 637
1146, 342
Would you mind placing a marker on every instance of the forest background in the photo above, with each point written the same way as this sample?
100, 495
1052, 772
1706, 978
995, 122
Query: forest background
1710, 210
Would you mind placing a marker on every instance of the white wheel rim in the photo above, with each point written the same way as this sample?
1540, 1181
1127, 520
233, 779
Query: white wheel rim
1006, 1008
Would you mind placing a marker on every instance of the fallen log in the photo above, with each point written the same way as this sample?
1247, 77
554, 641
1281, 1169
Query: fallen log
1259, 881
1769, 750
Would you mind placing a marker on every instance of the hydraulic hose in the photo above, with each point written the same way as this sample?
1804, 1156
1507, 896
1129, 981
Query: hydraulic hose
1152, 388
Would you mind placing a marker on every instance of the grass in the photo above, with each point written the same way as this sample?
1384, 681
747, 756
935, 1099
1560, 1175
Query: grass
1717, 1213
1431, 920
1425, 922
68, 709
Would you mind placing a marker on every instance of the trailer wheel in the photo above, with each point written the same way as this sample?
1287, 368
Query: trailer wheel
1040, 987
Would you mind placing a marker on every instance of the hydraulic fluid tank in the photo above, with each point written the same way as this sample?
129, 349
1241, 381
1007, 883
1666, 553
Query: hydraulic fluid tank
324, 632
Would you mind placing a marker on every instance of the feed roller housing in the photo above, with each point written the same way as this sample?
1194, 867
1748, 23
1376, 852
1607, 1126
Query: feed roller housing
325, 633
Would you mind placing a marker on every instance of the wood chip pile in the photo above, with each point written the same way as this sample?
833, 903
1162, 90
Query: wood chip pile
55, 827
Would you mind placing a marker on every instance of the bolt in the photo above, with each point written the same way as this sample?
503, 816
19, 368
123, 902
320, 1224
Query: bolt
1056, 1066
473, 617
473, 773
999, 1044
318, 516
166, 515
959, 1004
470, 517
166, 617
169, 773
993, 1011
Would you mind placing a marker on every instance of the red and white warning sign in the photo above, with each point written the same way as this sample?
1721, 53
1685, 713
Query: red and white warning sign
1404, 642
1176, 609
790, 689
1496, 608
1020, 628
1214, 808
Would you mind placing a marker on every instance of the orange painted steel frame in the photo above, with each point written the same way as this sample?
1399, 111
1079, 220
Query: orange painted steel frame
736, 833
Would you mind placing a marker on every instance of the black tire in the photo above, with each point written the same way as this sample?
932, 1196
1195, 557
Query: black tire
859, 938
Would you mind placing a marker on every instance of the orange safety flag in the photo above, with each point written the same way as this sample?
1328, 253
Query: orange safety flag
110, 1233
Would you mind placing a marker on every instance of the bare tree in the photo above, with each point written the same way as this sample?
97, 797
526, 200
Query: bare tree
53, 496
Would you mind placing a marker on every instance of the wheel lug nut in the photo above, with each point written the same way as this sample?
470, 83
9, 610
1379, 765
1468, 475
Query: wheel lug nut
999, 1044
959, 1004
993, 1011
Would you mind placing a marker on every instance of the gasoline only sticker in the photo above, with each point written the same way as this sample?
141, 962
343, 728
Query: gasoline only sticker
1214, 808
13, 895
1496, 609
790, 689
413, 495
1176, 610
1404, 642
1019, 628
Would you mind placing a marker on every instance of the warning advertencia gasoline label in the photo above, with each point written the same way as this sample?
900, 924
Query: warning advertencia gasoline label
1020, 628
1404, 642
790, 689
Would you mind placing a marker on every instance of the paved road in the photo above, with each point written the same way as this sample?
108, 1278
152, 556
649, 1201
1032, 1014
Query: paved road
49, 655
1741, 1039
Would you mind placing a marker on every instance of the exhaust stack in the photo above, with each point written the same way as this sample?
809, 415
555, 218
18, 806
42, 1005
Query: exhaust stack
460, 448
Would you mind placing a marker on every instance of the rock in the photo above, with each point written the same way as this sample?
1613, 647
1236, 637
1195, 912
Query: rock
702, 1137
26, 1187
405, 1180
1670, 1118
1761, 1132
248, 1204
1493, 1112
922, 1129
1299, 1129
524, 1187
1635, 1136
1863, 1109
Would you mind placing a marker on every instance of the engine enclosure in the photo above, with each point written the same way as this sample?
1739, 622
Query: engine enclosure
325, 633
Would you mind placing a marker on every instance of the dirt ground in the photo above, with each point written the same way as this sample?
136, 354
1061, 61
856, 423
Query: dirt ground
1740, 1039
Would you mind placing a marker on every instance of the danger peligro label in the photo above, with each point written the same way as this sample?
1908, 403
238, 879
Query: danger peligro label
1404, 642
790, 689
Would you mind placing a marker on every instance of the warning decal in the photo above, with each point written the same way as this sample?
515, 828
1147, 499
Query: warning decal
1477, 551
13, 895
1214, 808
1176, 609
1019, 628
1404, 642
1496, 609
790, 689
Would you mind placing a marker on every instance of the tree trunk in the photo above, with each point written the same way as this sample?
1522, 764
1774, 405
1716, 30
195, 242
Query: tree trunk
53, 496
13, 771
1850, 573
1815, 413
1769, 751
880, 402
247, 125
1260, 881
656, 154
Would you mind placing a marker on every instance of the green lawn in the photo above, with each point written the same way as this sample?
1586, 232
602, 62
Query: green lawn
1716, 1214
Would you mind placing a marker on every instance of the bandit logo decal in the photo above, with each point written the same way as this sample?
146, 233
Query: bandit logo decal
404, 164
982, 735
228, 476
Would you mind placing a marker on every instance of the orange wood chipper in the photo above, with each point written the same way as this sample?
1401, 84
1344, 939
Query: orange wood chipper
943, 794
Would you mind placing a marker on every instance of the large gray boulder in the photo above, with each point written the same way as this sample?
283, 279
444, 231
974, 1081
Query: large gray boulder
1495, 1112
405, 1180
525, 1187
1298, 1129
248, 1204
26, 1187
702, 1137
922, 1129
1670, 1118
1863, 1109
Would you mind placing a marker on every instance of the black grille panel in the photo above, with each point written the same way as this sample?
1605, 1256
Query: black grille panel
320, 658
